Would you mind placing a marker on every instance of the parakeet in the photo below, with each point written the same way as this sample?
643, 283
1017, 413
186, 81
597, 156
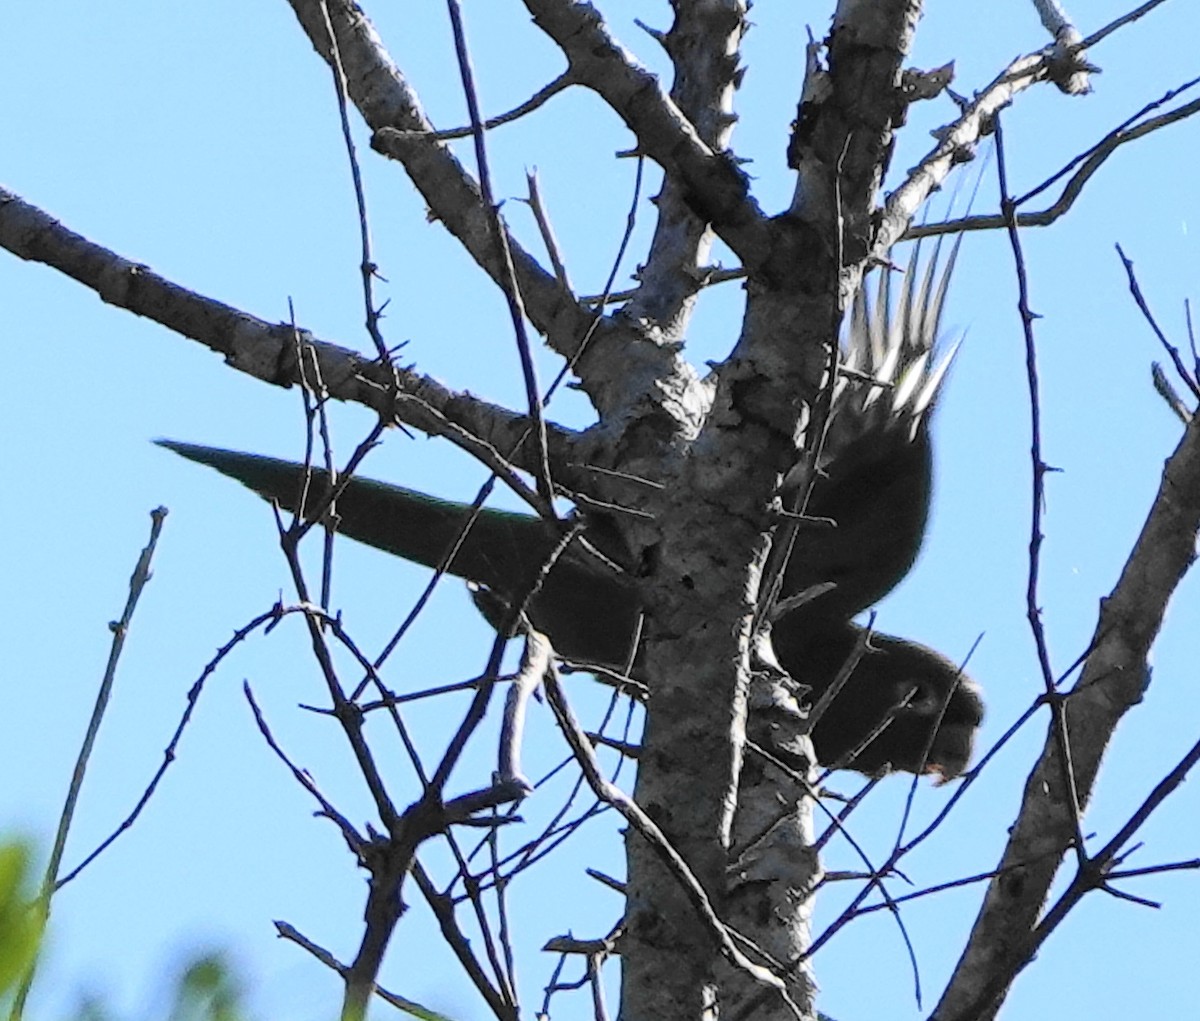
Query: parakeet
874, 480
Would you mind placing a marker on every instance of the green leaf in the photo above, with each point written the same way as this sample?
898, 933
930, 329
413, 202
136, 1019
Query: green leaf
208, 991
20, 919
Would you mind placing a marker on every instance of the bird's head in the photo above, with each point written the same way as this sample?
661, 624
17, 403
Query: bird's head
905, 707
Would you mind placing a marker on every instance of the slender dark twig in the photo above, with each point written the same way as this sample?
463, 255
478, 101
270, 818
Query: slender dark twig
1032, 608
512, 292
654, 835
539, 99
1171, 349
120, 631
270, 618
291, 933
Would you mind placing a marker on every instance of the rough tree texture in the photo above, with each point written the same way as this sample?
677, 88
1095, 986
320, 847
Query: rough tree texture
715, 449
1112, 682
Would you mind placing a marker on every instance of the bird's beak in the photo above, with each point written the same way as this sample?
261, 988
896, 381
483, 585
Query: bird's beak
942, 774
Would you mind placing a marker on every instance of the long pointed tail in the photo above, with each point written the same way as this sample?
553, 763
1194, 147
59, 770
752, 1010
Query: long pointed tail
500, 549
588, 609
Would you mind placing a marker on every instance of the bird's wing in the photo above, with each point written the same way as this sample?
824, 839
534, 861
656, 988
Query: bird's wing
875, 477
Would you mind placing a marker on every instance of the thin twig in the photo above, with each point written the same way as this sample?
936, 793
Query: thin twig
270, 618
354, 840
291, 933
367, 266
1091, 875
546, 229
443, 911
1039, 469
1089, 162
508, 280
120, 631
535, 660
560, 84
650, 831
1171, 349
347, 713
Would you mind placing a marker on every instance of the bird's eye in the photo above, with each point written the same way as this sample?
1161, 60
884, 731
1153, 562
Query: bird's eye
918, 699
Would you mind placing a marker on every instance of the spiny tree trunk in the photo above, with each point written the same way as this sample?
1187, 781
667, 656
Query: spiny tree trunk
721, 869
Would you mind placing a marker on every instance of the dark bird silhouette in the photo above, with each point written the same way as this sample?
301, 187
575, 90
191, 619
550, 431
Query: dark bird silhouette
874, 481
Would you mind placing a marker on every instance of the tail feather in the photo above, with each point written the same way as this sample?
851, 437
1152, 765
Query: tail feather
588, 608
499, 549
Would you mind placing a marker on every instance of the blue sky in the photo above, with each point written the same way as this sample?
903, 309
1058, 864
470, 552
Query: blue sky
203, 141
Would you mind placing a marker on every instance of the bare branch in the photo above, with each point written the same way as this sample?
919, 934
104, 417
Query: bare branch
1088, 163
268, 351
542, 217
534, 102
1033, 609
442, 906
392, 110
291, 933
354, 840
535, 660
715, 183
367, 266
703, 43
508, 278
1113, 680
1170, 348
273, 615
1121, 22
1070, 68
614, 796
120, 631
956, 141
